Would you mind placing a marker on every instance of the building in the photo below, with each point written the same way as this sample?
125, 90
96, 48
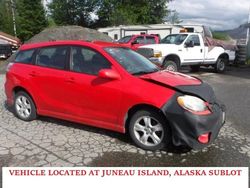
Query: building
8, 39
161, 29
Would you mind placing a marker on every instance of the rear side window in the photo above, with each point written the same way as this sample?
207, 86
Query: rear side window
25, 56
53, 57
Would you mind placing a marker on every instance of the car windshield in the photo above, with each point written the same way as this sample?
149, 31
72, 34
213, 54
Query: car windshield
174, 39
124, 39
130, 60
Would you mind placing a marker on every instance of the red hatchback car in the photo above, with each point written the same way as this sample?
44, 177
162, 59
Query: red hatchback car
112, 87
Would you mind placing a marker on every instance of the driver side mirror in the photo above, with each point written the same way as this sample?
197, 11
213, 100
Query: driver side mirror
189, 44
109, 74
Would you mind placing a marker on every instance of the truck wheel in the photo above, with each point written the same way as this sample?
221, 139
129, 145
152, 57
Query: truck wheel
195, 68
220, 65
149, 130
170, 66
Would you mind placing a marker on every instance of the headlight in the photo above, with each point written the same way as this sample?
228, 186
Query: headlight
193, 104
157, 54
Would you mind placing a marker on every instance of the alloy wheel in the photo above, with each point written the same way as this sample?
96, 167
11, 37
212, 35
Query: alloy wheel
23, 107
148, 131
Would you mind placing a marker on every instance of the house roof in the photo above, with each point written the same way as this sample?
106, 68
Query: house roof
9, 38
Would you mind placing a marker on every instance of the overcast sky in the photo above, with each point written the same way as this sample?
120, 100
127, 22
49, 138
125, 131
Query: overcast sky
218, 14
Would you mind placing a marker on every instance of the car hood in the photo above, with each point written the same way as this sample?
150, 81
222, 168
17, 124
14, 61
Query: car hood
182, 83
172, 78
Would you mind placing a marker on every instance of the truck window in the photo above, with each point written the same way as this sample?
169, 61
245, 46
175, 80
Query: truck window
194, 38
150, 40
139, 40
125, 39
174, 39
189, 29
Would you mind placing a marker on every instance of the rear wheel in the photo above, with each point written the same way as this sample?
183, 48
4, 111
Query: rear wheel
24, 107
170, 66
220, 65
148, 129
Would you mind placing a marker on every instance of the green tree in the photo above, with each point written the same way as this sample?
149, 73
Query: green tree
6, 22
124, 12
73, 12
31, 18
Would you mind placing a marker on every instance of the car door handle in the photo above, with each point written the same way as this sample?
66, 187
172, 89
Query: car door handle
33, 74
70, 80
201, 50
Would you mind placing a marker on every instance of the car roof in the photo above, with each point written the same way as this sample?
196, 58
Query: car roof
93, 44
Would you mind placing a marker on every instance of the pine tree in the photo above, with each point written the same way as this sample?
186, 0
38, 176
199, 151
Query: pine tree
31, 18
6, 22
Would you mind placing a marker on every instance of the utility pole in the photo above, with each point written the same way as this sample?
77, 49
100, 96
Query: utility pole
248, 28
13, 7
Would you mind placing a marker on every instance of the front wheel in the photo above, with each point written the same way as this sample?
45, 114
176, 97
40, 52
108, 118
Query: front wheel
220, 65
148, 129
170, 66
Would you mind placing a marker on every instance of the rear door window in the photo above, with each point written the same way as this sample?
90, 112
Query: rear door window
86, 60
25, 56
53, 57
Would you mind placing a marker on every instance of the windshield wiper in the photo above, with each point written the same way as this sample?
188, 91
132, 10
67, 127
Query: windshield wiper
145, 72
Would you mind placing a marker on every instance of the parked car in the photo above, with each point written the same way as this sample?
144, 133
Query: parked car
5, 51
135, 41
190, 49
108, 86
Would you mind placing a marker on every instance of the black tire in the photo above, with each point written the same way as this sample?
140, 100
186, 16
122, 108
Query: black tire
195, 68
24, 101
220, 65
147, 137
170, 65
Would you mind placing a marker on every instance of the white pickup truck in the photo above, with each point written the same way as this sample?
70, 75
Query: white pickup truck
190, 49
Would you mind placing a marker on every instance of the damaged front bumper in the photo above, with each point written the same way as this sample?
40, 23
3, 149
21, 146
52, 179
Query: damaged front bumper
190, 129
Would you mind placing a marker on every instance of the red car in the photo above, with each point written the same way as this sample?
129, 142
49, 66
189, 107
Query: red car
135, 41
112, 87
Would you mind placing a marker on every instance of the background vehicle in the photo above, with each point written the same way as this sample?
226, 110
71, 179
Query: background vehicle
105, 85
5, 51
190, 49
135, 41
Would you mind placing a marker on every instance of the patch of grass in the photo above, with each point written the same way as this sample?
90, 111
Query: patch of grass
248, 62
221, 36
